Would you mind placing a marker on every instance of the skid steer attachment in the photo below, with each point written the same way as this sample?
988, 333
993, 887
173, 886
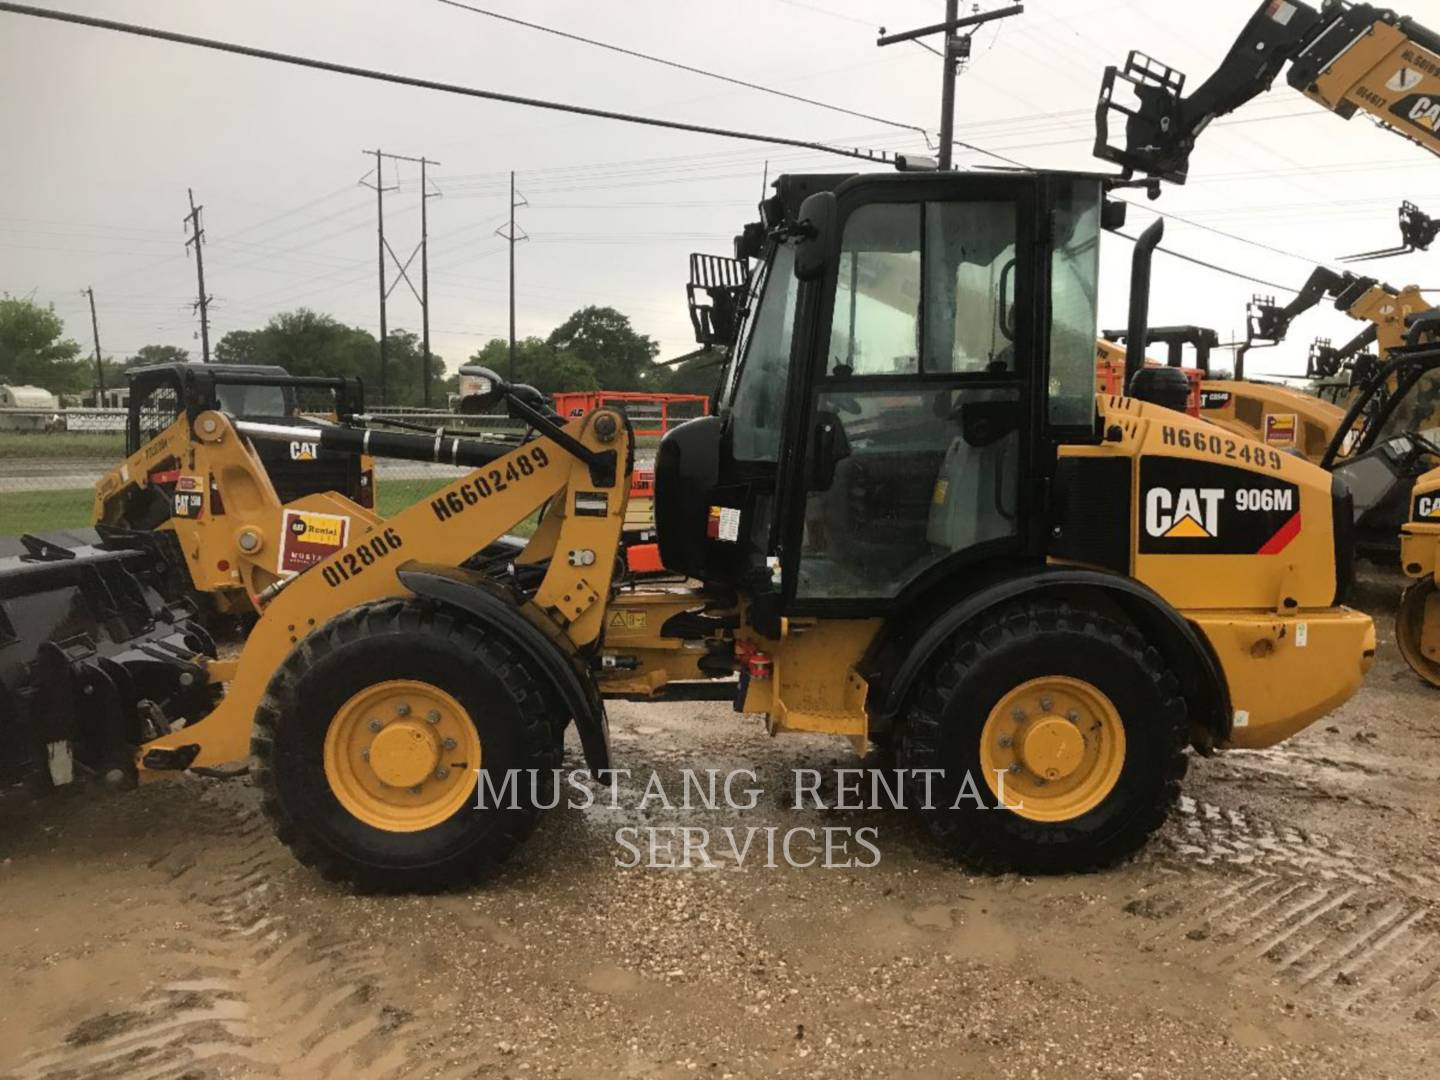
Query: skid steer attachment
96, 657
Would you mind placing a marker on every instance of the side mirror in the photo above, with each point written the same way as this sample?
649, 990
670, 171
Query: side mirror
480, 388
819, 228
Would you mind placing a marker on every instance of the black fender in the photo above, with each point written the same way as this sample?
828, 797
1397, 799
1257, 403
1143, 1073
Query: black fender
552, 654
1185, 649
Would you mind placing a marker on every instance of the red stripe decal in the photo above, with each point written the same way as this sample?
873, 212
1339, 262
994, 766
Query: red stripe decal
1283, 535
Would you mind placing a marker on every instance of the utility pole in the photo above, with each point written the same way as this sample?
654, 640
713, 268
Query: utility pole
424, 287
99, 368
954, 54
422, 249
202, 304
513, 236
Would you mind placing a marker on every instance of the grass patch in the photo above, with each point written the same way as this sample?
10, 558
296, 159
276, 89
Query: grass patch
62, 444
397, 495
45, 511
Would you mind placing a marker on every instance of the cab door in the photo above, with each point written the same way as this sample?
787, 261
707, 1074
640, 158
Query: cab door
909, 460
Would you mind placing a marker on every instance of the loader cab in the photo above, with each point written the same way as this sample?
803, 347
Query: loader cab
913, 350
161, 393
1389, 439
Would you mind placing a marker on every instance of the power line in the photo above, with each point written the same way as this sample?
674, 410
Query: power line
432, 84
636, 54
1215, 266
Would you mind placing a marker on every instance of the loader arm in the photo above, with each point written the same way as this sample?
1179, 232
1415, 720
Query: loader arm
444, 529
1347, 57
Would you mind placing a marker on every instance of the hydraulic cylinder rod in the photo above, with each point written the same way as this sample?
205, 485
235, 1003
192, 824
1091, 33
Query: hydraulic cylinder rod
445, 449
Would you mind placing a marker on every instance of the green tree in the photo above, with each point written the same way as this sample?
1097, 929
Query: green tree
157, 354
305, 342
35, 352
603, 339
695, 372
539, 364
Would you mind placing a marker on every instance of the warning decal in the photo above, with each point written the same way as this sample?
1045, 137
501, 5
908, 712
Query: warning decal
309, 538
723, 524
625, 619
1280, 429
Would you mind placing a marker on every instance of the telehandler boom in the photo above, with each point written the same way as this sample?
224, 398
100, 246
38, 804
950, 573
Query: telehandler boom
1347, 57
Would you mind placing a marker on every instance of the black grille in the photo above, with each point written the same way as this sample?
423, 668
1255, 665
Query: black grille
329, 471
1092, 512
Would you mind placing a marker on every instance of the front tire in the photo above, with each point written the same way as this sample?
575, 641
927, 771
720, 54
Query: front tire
1059, 737
369, 738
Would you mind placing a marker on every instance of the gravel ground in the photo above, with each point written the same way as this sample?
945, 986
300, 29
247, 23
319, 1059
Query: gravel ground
1286, 923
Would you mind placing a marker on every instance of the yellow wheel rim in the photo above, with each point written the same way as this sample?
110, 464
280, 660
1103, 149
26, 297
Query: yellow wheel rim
1418, 606
1052, 748
401, 755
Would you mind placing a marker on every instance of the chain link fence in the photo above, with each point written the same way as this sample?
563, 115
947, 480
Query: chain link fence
51, 459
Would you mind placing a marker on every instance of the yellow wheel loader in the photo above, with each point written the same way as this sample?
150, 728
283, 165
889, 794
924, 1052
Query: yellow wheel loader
1394, 470
912, 525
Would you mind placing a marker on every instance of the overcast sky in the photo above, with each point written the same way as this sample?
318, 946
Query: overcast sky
102, 133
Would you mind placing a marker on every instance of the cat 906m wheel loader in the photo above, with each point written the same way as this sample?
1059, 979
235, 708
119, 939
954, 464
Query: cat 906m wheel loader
911, 521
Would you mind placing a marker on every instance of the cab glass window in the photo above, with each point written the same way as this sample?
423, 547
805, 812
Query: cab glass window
959, 321
239, 399
913, 476
1074, 274
758, 405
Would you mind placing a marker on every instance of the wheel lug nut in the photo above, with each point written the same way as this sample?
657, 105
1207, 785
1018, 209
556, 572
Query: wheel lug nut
449, 744
1005, 740
415, 790
433, 716
1015, 768
402, 710
365, 755
376, 725
1073, 716
441, 773
1045, 704
1018, 714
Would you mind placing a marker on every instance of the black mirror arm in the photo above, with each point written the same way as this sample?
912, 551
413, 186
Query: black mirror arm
601, 462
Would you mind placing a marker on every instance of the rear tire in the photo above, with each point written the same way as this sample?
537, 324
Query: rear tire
986, 693
347, 821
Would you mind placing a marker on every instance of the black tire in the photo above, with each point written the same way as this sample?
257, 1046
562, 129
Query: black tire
984, 662
414, 640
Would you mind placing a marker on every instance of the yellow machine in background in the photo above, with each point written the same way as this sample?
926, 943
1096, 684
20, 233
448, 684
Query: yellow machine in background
1350, 58
243, 517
